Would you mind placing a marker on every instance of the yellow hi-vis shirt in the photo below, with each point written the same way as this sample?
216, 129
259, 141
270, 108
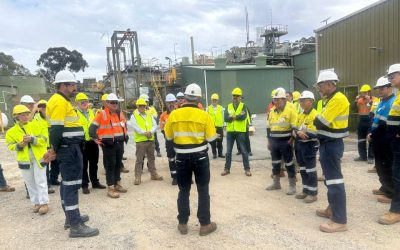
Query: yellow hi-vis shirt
305, 123
43, 122
393, 120
190, 128
86, 122
281, 123
216, 115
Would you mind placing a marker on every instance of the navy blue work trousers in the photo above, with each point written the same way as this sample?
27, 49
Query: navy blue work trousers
282, 149
306, 154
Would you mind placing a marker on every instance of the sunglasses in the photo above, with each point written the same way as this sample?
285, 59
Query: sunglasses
113, 102
41, 106
392, 76
236, 95
83, 102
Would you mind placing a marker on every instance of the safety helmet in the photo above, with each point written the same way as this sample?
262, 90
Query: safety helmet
214, 96
65, 76
327, 75
20, 109
394, 68
104, 97
193, 90
280, 93
42, 102
144, 97
141, 101
307, 95
26, 99
112, 97
4, 119
237, 91
296, 95
170, 98
382, 82
81, 97
365, 88
180, 95
273, 93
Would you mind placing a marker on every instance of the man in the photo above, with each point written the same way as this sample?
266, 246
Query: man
108, 130
191, 128
90, 150
364, 103
235, 116
66, 135
281, 122
296, 101
393, 125
216, 112
144, 127
3, 183
153, 112
332, 127
382, 150
180, 99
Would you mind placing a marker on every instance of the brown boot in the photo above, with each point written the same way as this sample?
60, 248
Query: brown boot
282, 173
138, 180
377, 192
156, 177
247, 173
383, 199
389, 218
124, 170
111, 192
310, 199
225, 172
36, 208
301, 195
332, 227
44, 209
183, 228
119, 188
372, 170
207, 229
7, 189
326, 213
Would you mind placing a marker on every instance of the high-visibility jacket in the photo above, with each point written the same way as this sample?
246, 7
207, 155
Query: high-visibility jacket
217, 115
393, 120
65, 125
190, 128
333, 122
152, 111
305, 123
38, 145
281, 122
378, 127
45, 123
86, 122
145, 124
163, 119
364, 106
374, 105
297, 107
321, 105
108, 127
236, 125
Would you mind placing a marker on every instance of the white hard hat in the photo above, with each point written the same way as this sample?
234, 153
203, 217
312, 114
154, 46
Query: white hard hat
394, 68
180, 94
382, 81
327, 75
27, 99
193, 90
65, 76
307, 95
112, 97
5, 119
144, 97
280, 93
170, 98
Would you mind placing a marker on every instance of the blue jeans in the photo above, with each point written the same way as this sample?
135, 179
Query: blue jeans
240, 138
3, 182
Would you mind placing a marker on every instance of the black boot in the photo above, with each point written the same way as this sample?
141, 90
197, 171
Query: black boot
81, 230
84, 218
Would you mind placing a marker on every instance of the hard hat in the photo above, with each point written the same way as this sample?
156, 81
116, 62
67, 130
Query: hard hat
112, 97
81, 97
170, 98
382, 82
27, 99
104, 97
144, 97
327, 75
296, 95
193, 90
65, 76
42, 102
141, 101
214, 96
365, 88
273, 93
307, 95
394, 68
20, 109
237, 91
180, 95
4, 119
280, 93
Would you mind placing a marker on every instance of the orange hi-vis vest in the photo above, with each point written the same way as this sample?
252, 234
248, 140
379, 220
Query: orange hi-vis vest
111, 126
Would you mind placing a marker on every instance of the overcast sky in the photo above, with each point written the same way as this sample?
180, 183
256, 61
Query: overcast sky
29, 27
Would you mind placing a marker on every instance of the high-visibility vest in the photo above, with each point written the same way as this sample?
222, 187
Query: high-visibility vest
236, 126
305, 123
45, 123
216, 115
152, 111
86, 122
282, 122
145, 124
111, 126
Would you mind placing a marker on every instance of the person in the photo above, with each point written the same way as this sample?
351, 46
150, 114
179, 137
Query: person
235, 116
190, 129
364, 103
281, 122
180, 99
393, 132
170, 101
29, 140
66, 134
246, 135
90, 150
332, 127
153, 112
3, 183
306, 147
216, 112
296, 101
377, 135
108, 129
289, 97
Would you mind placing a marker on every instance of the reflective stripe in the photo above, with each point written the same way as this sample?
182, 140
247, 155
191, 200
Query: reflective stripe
192, 134
106, 136
95, 123
323, 120
62, 202
333, 135
56, 122
72, 134
381, 117
341, 118
313, 139
393, 123
169, 138
302, 168
71, 183
374, 125
69, 208
289, 163
275, 162
311, 170
24, 162
173, 172
171, 159
118, 134
190, 150
395, 107
212, 138
280, 135
105, 126
361, 140
310, 188
116, 124
280, 124
334, 181
71, 118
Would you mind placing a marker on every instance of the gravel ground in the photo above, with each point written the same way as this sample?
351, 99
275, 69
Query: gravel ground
247, 215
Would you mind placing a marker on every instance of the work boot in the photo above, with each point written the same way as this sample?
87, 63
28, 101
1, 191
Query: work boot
276, 183
282, 173
44, 209
359, 159
124, 158
332, 227
50, 191
207, 229
372, 170
119, 188
81, 230
183, 228
124, 170
247, 173
112, 193
85, 190
84, 218
326, 213
225, 172
36, 208
389, 218
7, 189
377, 192
156, 177
371, 161
174, 181
310, 199
384, 199
301, 195
138, 180
214, 156
55, 183
98, 186
292, 186
221, 156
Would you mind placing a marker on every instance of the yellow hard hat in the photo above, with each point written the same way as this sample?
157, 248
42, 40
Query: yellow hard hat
104, 97
42, 102
365, 88
81, 97
273, 92
140, 101
296, 95
237, 91
214, 96
20, 109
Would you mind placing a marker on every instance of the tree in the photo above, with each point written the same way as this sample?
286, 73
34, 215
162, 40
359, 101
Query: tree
9, 67
305, 44
57, 59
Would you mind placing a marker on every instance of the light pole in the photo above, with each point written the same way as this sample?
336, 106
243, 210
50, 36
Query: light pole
212, 54
175, 51
169, 61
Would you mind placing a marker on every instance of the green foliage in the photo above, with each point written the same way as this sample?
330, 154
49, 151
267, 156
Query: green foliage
9, 67
305, 44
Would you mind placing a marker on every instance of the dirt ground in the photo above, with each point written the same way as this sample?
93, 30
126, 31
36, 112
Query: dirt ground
248, 216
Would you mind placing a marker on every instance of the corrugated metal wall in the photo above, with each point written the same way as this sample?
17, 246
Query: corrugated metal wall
304, 71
